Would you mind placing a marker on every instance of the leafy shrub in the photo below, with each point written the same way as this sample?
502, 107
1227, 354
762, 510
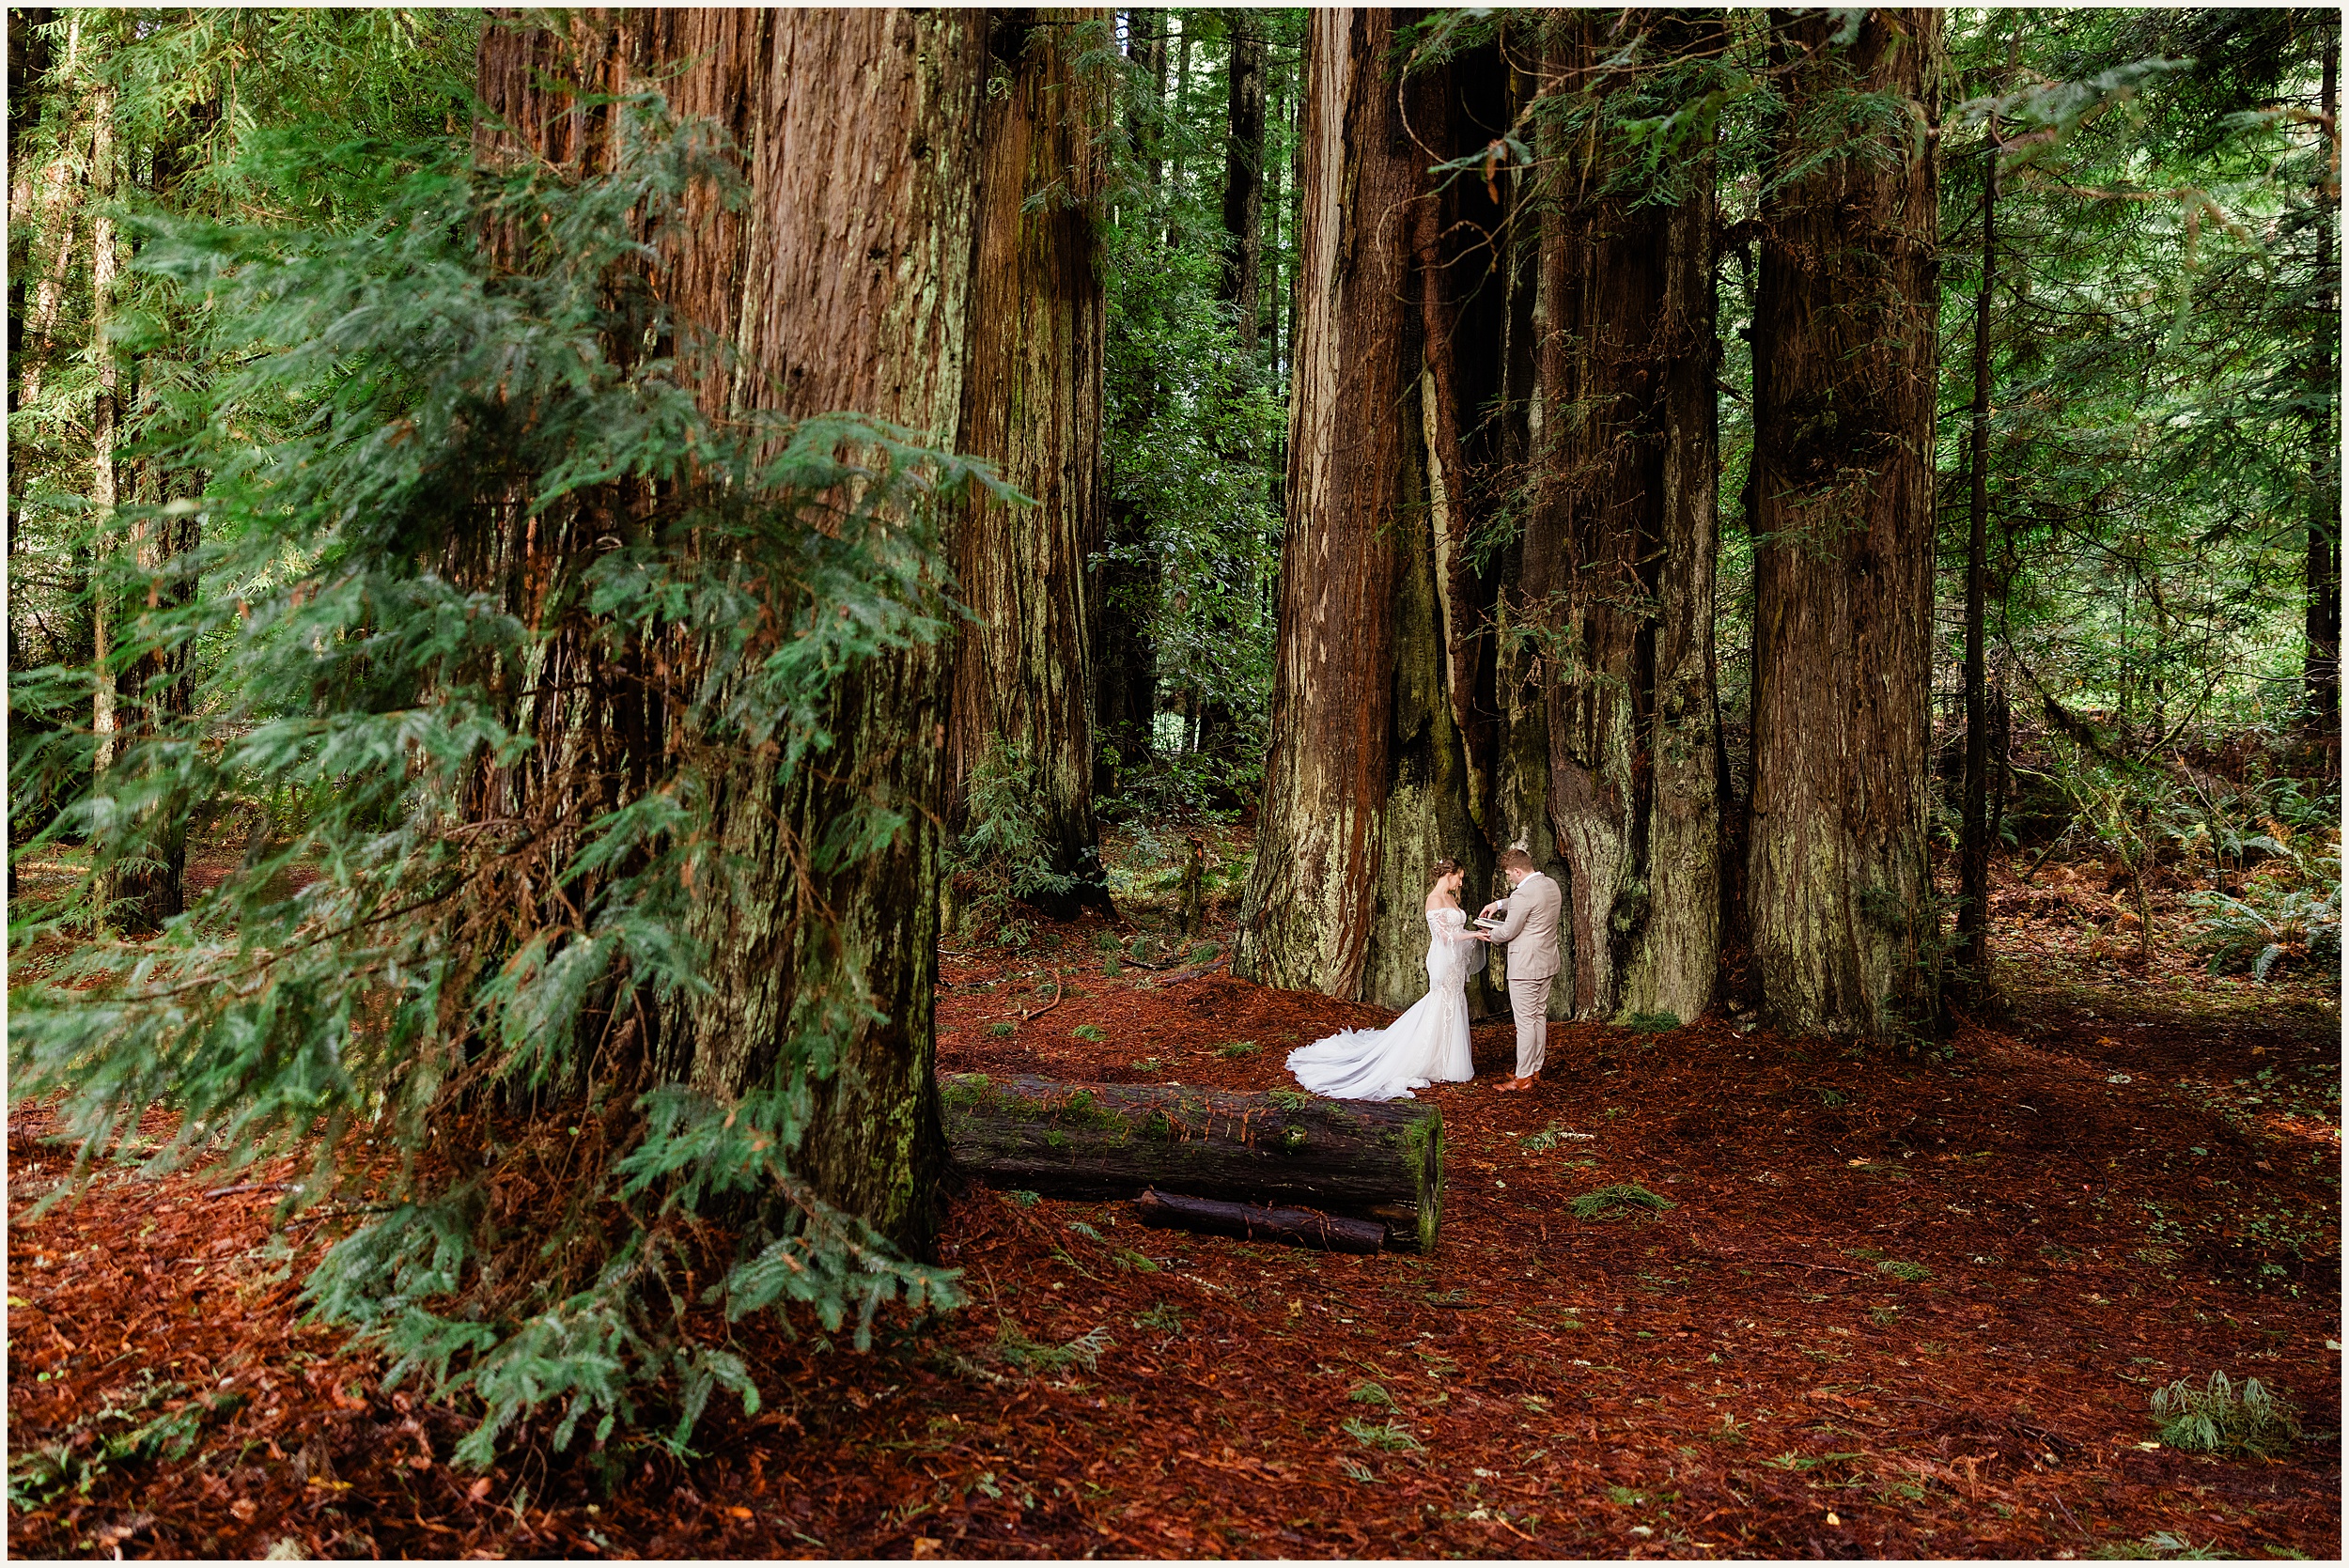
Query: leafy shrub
2218, 1417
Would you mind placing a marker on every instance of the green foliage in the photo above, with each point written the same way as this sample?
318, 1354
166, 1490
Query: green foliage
2248, 1423
115, 1438
1652, 1023
1371, 1393
395, 411
1088, 1031
1235, 1049
1616, 1201
1550, 1138
1004, 849
1379, 1435
1911, 1273
1029, 1354
2162, 1544
1162, 1318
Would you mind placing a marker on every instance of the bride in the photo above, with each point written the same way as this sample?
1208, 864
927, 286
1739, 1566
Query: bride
1427, 1045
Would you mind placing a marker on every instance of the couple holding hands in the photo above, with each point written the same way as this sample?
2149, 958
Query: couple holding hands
1429, 1044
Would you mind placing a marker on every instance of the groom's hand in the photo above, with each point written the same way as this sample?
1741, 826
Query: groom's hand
1486, 912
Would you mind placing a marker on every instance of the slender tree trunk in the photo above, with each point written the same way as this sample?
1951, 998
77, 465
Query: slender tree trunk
1032, 404
1973, 911
1839, 893
154, 684
1307, 922
1179, 131
842, 282
1243, 241
1243, 176
106, 403
1126, 691
2322, 665
1628, 505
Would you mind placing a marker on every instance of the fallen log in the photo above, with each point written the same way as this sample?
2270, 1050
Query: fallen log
1362, 1160
1334, 1232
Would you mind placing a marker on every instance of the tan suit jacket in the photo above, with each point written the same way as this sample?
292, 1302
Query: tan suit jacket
1531, 929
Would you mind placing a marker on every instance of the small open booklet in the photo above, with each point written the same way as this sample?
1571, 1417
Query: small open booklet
1489, 923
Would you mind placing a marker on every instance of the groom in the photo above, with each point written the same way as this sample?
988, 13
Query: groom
1530, 934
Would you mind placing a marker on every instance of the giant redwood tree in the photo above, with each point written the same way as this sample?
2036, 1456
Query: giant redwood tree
1310, 911
1616, 582
840, 283
1839, 892
1021, 718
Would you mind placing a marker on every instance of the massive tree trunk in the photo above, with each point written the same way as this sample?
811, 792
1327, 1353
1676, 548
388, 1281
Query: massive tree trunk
841, 283
1032, 404
1311, 904
1839, 893
1621, 545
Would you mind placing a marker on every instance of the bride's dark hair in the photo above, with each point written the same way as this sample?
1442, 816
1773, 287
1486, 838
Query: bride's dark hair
1443, 869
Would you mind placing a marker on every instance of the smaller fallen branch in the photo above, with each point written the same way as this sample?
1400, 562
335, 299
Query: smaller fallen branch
1181, 975
1058, 995
248, 1186
1256, 1222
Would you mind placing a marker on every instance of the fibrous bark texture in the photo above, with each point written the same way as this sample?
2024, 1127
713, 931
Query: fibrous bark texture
1032, 404
1370, 1159
841, 283
1542, 577
1308, 918
1617, 582
1243, 175
1838, 892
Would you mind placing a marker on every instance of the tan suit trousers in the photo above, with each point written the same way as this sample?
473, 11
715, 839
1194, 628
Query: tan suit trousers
1529, 1003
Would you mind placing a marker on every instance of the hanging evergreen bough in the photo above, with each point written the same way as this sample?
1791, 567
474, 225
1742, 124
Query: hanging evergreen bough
512, 603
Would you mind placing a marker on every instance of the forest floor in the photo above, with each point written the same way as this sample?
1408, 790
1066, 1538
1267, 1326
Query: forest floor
1895, 1309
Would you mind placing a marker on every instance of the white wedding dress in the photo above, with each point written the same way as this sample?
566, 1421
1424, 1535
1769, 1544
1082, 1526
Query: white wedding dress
1429, 1044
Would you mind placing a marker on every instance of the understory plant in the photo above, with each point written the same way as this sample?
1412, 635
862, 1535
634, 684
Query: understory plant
487, 587
2250, 1422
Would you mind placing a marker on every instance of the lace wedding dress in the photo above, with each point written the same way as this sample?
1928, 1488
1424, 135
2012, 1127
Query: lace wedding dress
1429, 1044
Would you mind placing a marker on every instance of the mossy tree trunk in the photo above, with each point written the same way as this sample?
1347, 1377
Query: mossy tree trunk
1310, 910
1838, 893
1032, 404
1620, 555
841, 283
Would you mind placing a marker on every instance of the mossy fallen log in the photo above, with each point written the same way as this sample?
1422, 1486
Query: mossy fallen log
1367, 1159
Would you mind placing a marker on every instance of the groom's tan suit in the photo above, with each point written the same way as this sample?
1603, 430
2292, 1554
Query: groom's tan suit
1530, 931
